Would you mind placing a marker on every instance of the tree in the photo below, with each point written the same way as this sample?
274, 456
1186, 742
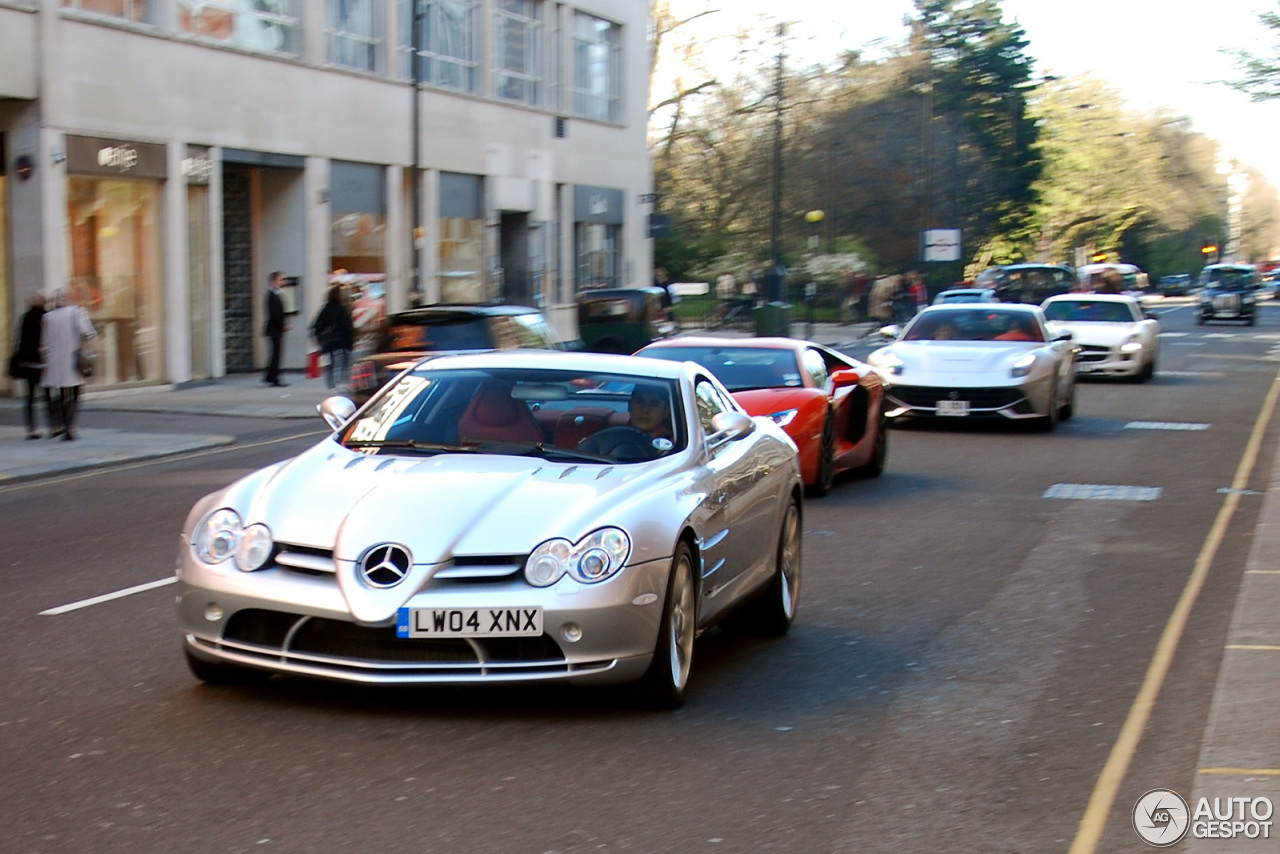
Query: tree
1261, 80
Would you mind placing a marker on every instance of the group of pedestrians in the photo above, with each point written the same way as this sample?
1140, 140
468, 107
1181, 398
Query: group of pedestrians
333, 330
49, 356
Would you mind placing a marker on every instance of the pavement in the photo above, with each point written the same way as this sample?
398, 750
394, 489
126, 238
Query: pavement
1240, 748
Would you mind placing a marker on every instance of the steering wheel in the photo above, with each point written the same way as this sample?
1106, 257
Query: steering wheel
624, 443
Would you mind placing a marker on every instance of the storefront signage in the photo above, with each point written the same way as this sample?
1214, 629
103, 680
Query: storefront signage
597, 204
87, 155
197, 166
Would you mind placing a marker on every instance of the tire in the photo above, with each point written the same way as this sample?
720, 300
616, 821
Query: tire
1148, 371
223, 673
1068, 409
1250, 321
1050, 419
1199, 320
826, 476
666, 683
874, 467
772, 613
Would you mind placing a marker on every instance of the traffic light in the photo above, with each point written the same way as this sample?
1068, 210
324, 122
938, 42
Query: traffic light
1209, 249
1099, 257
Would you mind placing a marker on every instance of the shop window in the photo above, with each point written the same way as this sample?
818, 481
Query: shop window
596, 68
129, 10
461, 260
598, 254
355, 33
517, 74
447, 40
271, 26
114, 242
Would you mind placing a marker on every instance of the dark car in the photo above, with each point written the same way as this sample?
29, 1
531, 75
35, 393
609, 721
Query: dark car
622, 320
1031, 284
1228, 292
1176, 285
407, 336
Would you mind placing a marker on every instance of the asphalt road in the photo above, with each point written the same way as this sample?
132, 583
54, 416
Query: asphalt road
965, 655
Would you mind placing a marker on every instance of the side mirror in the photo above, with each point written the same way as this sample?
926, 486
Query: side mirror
1063, 336
729, 427
336, 411
844, 378
891, 331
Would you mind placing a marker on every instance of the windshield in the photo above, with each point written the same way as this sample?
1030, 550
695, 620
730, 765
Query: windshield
562, 415
738, 368
1228, 279
976, 325
1089, 311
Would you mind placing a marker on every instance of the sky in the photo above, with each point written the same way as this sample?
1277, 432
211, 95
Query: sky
1157, 53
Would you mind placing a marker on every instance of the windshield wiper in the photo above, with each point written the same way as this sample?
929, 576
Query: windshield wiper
411, 445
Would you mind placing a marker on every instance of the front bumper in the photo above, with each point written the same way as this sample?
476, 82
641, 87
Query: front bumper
296, 623
1014, 402
1096, 360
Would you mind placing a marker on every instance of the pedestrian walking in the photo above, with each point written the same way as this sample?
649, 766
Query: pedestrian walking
63, 332
275, 328
335, 333
26, 363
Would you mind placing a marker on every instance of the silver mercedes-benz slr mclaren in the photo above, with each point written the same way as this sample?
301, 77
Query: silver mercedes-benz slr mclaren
501, 517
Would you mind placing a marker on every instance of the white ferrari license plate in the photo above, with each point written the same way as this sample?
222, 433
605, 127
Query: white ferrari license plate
953, 407
468, 622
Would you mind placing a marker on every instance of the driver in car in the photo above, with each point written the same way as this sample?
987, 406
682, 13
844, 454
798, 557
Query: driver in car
650, 411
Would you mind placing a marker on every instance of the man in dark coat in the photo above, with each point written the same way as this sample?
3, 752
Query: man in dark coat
275, 328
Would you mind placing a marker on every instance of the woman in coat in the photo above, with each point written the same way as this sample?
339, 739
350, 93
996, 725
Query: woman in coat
62, 331
335, 334
28, 360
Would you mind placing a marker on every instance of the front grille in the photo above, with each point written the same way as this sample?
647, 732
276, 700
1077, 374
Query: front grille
276, 635
304, 559
927, 397
1226, 302
1094, 353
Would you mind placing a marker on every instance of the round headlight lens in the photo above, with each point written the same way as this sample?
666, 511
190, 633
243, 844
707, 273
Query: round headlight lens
593, 565
218, 535
601, 554
255, 548
548, 563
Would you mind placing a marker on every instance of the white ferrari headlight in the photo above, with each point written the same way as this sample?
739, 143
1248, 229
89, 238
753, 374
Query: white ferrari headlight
594, 558
891, 363
254, 548
782, 419
217, 536
1022, 367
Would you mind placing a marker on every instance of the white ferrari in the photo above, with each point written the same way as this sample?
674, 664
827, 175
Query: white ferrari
970, 360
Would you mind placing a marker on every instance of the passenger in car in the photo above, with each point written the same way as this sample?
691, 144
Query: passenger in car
650, 410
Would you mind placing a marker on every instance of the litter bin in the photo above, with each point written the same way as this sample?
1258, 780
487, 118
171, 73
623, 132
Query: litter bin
773, 320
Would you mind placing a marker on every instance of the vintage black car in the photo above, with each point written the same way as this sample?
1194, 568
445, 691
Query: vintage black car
1229, 292
621, 320
1031, 284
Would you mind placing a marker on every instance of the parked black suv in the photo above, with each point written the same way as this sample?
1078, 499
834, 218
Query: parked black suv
1230, 292
409, 335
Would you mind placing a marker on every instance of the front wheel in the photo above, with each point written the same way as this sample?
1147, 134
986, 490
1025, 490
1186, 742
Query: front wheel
874, 467
665, 684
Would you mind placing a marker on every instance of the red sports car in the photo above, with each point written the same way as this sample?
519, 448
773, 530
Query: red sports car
830, 405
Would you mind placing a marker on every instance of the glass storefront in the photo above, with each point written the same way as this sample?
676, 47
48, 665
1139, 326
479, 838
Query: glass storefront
114, 240
358, 244
461, 238
597, 244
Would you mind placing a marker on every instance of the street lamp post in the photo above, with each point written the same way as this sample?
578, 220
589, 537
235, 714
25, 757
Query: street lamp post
814, 218
415, 245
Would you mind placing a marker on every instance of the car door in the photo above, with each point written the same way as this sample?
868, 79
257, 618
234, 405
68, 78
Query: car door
739, 523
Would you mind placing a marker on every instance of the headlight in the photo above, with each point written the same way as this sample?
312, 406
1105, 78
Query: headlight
594, 558
222, 535
891, 363
1022, 367
782, 419
1131, 345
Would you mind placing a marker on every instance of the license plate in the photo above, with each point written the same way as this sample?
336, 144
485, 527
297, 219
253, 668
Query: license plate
468, 622
953, 407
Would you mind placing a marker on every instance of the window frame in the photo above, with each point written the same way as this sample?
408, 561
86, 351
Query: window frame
338, 36
588, 101
533, 37
430, 58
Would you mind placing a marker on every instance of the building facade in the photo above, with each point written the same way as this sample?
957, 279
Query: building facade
161, 158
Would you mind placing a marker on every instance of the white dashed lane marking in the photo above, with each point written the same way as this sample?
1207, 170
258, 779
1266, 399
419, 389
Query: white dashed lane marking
1165, 425
1102, 492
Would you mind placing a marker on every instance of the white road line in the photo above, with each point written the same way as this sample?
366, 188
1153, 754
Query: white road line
1165, 425
1102, 492
107, 597
1174, 334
